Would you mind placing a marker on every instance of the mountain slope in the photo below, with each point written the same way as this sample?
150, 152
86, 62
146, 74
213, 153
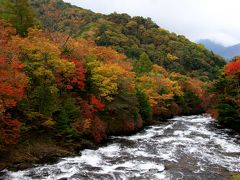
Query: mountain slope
131, 36
226, 52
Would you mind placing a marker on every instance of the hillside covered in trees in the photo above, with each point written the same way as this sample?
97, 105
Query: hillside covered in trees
131, 36
70, 77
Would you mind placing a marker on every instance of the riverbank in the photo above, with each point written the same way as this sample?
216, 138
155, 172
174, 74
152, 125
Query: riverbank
41, 150
45, 149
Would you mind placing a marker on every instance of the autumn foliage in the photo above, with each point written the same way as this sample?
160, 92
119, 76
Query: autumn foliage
12, 78
232, 68
226, 107
96, 103
74, 80
51, 81
13, 82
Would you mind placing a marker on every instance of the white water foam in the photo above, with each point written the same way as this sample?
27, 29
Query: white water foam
188, 139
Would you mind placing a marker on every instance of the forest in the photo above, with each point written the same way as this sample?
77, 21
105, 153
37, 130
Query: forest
69, 78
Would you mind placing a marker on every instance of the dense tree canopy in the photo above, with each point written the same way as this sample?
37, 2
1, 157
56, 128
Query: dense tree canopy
19, 13
79, 89
13, 82
227, 93
132, 36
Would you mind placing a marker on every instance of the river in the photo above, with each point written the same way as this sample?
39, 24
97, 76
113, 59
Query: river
187, 147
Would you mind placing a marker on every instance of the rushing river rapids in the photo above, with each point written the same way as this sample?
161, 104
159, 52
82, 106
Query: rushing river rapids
189, 147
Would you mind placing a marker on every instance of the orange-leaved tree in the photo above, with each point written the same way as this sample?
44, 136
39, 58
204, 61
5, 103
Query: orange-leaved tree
12, 84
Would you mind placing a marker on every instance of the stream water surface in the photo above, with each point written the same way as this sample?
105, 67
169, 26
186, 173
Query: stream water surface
187, 147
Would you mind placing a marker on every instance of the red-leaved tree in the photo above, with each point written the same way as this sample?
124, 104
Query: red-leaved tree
232, 68
13, 82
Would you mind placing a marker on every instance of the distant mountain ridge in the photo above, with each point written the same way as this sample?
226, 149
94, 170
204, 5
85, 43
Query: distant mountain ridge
227, 52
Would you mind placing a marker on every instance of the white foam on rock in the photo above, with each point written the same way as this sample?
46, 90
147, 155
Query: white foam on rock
110, 151
146, 166
227, 146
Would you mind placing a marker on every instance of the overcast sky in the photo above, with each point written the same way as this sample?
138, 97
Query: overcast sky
218, 20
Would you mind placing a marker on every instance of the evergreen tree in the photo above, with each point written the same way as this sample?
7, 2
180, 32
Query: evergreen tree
144, 107
143, 65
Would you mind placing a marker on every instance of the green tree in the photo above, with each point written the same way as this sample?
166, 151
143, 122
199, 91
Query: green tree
19, 13
228, 95
144, 106
143, 65
66, 115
